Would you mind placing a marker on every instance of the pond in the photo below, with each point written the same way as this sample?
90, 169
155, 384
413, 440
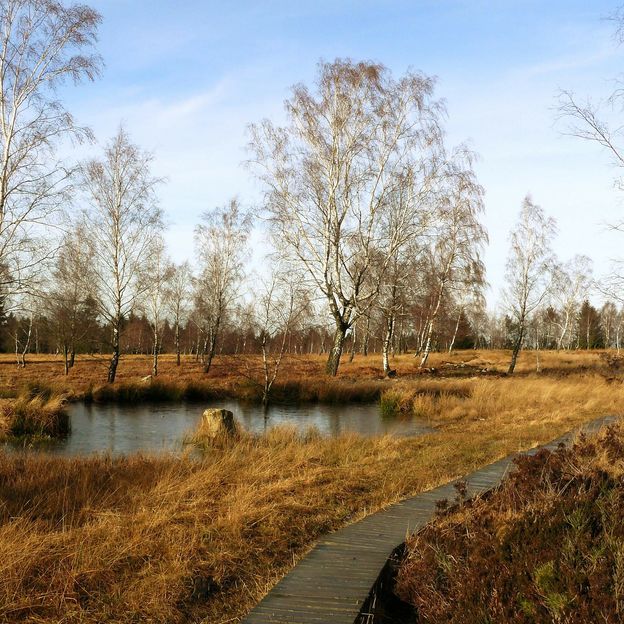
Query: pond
156, 427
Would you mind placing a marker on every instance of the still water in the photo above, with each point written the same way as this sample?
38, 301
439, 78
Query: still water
120, 429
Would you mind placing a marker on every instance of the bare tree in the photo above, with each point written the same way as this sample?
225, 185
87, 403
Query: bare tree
178, 293
529, 269
278, 307
330, 173
468, 301
570, 284
410, 209
157, 272
72, 292
43, 44
587, 119
23, 331
122, 221
220, 241
391, 300
458, 240
608, 322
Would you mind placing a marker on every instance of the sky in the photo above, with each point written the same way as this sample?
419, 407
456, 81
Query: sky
186, 79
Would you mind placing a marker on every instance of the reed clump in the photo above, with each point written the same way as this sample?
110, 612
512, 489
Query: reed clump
39, 412
153, 390
197, 389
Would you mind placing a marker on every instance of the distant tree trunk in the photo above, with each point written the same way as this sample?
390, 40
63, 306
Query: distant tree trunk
112, 367
431, 322
400, 337
196, 345
21, 356
212, 348
333, 362
387, 341
366, 340
564, 330
422, 333
66, 358
155, 354
271, 375
427, 343
353, 344
455, 332
177, 342
516, 350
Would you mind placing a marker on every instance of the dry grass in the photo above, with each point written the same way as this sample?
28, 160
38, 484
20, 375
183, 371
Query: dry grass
166, 539
34, 413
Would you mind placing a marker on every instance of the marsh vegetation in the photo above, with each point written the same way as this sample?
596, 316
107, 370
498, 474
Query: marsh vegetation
547, 546
203, 536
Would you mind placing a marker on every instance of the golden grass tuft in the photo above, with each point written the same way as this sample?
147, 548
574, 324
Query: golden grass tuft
35, 414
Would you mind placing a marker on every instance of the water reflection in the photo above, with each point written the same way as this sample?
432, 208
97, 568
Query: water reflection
121, 429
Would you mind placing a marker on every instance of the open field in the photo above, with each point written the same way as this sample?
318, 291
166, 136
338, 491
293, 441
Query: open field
172, 539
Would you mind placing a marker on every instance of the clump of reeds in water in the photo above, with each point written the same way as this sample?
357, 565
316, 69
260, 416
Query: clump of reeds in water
38, 413
154, 390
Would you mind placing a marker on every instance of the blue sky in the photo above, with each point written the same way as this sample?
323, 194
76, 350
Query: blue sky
187, 77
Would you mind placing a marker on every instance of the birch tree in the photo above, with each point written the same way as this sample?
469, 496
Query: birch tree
220, 242
409, 209
23, 331
279, 305
157, 273
570, 284
592, 120
529, 269
43, 45
121, 221
458, 240
468, 303
329, 174
69, 300
178, 293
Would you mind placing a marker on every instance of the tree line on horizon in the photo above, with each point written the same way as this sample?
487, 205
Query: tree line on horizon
375, 225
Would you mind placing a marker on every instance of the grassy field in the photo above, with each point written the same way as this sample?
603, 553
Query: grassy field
173, 539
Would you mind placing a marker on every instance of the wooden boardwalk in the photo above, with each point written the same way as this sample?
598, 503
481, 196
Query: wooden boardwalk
332, 583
